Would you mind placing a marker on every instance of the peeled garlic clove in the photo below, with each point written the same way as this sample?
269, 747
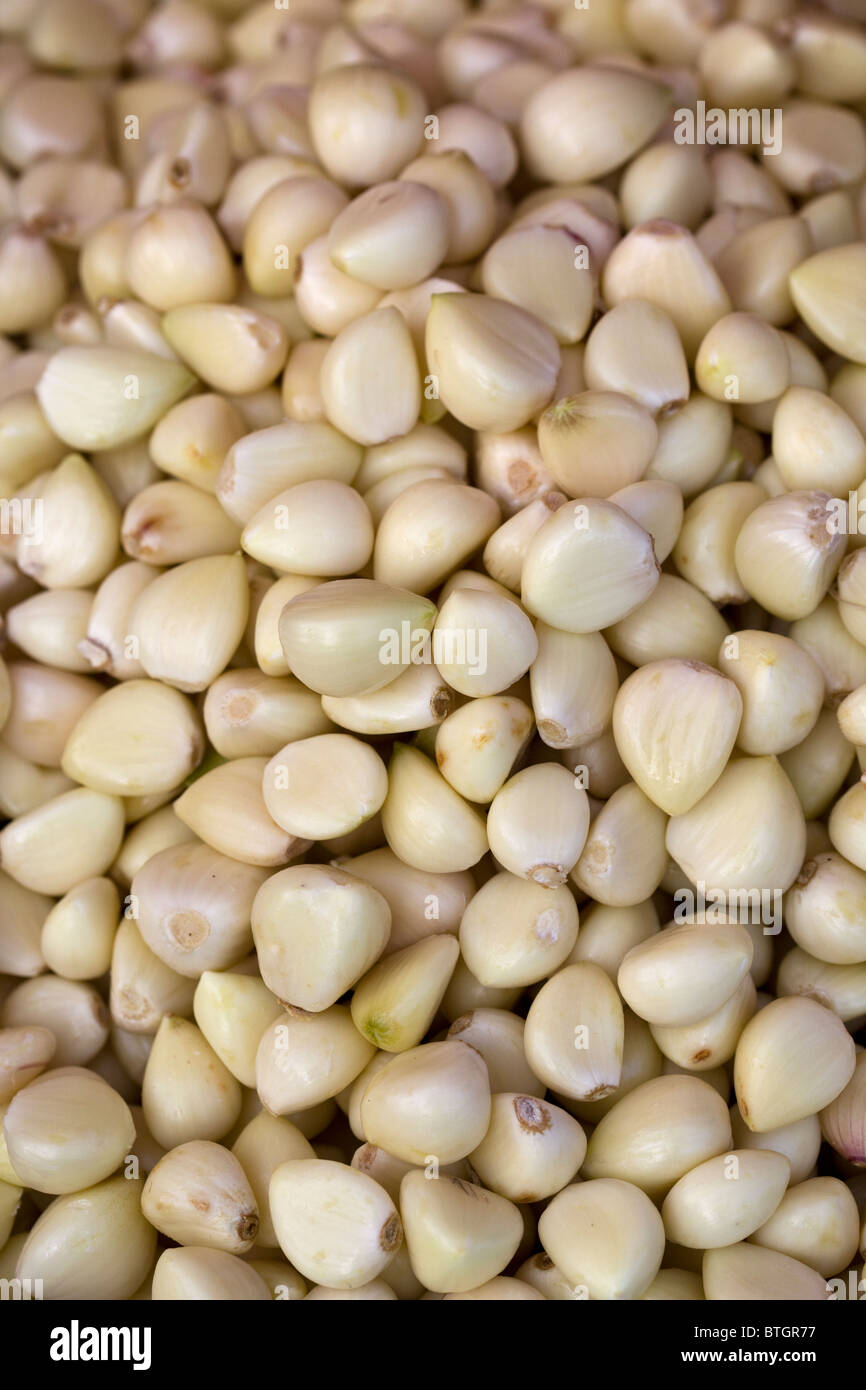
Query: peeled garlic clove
635, 350
458, 1235
270, 460
193, 907
333, 1222
417, 699
704, 548
824, 907
538, 269
658, 1132
233, 1012
725, 1199
421, 903
189, 621
231, 348
143, 988
532, 1149
816, 1222
170, 522
428, 531
648, 723
477, 745
431, 1100
748, 1273
24, 1053
317, 528
482, 642
574, 1033
616, 111
605, 1236
516, 932
317, 788
105, 646
187, 1093
751, 795
826, 290
499, 1037
782, 688
369, 378
587, 567
317, 931
596, 442
250, 714
493, 365
226, 809
74, 498
834, 458
788, 551
261, 1147
67, 1130
391, 236
681, 975
841, 987
99, 398
799, 1142
662, 262
790, 1037
198, 1194
48, 627
78, 933
92, 1244
624, 858
194, 1272
426, 823
395, 1002
843, 1122
69, 838
538, 823
305, 1058
675, 1285
333, 638
138, 738
711, 1041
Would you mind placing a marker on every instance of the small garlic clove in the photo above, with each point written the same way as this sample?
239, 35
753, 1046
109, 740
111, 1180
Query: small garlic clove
93, 1244
138, 738
746, 1272
458, 1235
574, 1033
334, 1222
395, 1003
187, 1093
198, 1194
433, 1099
317, 930
791, 1036
605, 1236
587, 567
306, 1058
659, 1132
649, 718
195, 1272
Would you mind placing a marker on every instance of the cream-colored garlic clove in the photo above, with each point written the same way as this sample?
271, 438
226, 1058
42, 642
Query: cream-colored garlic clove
432, 1100
790, 1037
198, 1194
605, 1236
659, 1132
317, 930
458, 1235
306, 1058
187, 1093
575, 1031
